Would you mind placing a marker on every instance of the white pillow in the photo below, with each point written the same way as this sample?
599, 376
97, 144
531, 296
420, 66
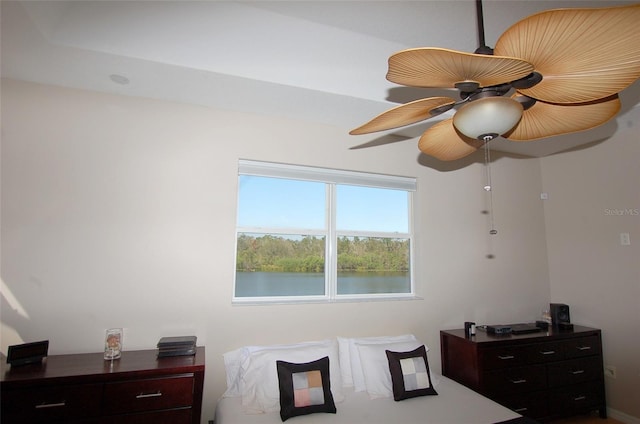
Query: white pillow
375, 365
345, 361
259, 376
350, 357
233, 362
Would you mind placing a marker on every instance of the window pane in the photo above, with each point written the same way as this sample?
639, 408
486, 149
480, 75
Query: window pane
368, 265
279, 265
276, 202
290, 217
372, 209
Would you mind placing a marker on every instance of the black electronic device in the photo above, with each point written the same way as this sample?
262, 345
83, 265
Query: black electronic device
559, 314
177, 346
524, 329
27, 353
499, 329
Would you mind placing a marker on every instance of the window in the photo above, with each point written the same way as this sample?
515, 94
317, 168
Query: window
315, 234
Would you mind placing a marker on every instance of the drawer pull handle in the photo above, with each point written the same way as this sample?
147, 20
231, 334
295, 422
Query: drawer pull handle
518, 381
579, 398
548, 352
51, 405
576, 372
148, 395
584, 348
505, 357
521, 410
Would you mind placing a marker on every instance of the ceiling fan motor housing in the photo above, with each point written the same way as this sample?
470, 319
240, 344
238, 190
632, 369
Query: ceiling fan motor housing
481, 93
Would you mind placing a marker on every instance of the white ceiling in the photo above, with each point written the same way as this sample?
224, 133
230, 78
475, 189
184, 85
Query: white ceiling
321, 61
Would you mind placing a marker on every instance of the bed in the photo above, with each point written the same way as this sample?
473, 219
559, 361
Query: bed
348, 381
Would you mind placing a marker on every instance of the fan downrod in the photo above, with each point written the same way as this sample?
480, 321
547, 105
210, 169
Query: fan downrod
483, 48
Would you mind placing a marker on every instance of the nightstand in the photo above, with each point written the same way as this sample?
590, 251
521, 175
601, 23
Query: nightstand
84, 388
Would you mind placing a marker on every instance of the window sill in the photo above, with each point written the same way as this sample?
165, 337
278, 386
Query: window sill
281, 301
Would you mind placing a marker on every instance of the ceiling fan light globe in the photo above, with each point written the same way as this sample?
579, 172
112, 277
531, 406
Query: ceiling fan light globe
490, 115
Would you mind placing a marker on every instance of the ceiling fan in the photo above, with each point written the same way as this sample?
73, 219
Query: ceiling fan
555, 72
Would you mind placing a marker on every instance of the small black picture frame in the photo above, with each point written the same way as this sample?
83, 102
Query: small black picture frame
27, 353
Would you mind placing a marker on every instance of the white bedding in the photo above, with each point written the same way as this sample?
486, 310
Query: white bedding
454, 404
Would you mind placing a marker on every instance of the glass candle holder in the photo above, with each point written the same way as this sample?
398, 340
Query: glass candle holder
113, 344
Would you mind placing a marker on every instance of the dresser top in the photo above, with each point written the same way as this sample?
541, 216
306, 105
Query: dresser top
541, 336
94, 366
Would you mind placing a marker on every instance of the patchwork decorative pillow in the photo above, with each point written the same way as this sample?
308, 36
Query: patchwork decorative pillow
410, 374
304, 388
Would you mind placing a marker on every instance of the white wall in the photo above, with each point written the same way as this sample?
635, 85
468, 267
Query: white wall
593, 197
120, 212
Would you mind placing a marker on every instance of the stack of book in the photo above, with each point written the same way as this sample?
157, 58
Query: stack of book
177, 346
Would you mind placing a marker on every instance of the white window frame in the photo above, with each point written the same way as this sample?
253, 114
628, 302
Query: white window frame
331, 177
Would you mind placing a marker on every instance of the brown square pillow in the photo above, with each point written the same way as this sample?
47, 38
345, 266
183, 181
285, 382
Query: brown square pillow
410, 374
304, 388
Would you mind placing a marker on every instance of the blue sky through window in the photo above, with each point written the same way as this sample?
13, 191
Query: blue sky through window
371, 209
276, 202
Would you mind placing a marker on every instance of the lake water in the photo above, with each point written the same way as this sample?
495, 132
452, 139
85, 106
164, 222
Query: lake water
266, 284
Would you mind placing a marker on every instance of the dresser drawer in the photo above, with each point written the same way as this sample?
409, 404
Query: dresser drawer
149, 394
545, 352
50, 404
576, 399
503, 357
516, 380
532, 405
574, 371
583, 346
176, 416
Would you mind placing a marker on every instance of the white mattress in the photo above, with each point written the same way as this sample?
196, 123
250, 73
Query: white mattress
454, 404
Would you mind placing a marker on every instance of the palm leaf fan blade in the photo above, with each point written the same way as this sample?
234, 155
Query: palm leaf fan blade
582, 54
546, 119
402, 115
435, 67
443, 142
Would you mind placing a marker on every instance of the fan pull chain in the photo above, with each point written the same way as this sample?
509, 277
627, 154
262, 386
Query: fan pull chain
487, 187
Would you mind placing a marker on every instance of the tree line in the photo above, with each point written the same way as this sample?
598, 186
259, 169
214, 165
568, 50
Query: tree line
269, 253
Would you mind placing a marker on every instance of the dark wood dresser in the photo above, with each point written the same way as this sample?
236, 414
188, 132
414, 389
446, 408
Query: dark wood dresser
84, 388
545, 375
